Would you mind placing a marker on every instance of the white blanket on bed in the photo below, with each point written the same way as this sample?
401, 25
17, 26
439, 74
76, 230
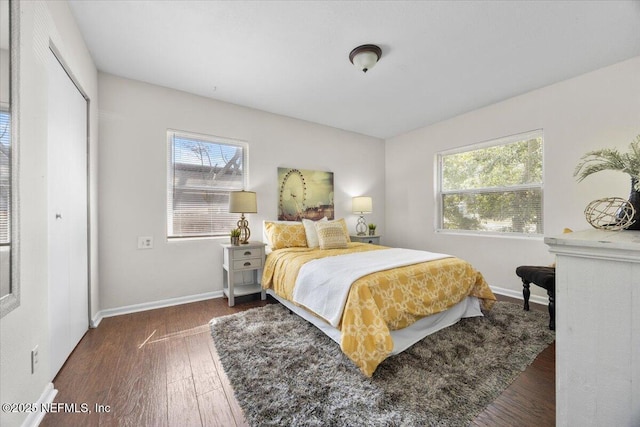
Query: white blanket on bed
323, 284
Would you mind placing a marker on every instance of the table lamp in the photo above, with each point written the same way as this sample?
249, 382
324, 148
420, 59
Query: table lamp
243, 202
362, 205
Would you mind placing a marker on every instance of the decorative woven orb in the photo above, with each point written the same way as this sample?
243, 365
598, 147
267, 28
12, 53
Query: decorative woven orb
612, 213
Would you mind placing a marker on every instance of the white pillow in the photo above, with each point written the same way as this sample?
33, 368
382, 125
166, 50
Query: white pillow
311, 232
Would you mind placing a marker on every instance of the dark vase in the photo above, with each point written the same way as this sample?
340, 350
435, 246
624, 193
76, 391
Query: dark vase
634, 199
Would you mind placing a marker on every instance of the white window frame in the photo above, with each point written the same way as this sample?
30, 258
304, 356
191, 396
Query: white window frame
171, 133
438, 192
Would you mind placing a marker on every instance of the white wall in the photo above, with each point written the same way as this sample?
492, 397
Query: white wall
4, 72
5, 285
41, 22
596, 110
5, 259
134, 118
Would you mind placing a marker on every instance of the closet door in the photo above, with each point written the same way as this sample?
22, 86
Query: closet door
67, 209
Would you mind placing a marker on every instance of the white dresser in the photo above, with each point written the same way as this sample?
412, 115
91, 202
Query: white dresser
597, 328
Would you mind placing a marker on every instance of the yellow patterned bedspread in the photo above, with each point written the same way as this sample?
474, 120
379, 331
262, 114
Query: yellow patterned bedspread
383, 301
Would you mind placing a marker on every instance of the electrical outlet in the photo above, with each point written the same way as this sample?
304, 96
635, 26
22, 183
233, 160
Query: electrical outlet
145, 242
34, 359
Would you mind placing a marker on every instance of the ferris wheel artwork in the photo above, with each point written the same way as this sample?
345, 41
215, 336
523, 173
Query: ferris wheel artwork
304, 194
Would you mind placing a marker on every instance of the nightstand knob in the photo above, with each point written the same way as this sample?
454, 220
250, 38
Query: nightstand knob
247, 253
247, 264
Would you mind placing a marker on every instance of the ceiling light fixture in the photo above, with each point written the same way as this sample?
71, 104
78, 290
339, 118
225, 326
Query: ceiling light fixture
365, 57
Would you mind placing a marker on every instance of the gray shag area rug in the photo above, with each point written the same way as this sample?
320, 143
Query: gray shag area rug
285, 371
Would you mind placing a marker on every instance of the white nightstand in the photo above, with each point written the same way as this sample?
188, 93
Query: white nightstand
375, 240
242, 265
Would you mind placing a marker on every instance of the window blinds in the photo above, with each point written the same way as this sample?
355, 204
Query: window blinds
202, 172
5, 177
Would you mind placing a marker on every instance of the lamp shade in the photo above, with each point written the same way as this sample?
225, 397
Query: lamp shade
243, 202
362, 205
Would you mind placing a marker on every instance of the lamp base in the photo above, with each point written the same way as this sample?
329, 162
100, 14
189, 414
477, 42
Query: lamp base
245, 232
361, 226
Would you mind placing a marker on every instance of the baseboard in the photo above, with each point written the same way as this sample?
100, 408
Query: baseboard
35, 418
535, 299
152, 305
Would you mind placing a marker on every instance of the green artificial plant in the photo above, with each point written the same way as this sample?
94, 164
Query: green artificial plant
612, 159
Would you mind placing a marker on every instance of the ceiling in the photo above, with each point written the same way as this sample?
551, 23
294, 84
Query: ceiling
439, 59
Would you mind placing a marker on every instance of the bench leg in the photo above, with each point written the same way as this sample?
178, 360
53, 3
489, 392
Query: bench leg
552, 310
526, 293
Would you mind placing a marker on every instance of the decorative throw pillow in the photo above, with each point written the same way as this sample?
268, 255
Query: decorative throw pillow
311, 233
342, 222
331, 235
286, 235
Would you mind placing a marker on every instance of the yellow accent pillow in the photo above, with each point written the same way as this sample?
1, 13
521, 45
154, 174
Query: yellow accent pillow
286, 235
332, 234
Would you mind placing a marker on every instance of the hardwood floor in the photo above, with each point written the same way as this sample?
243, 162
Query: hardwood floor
160, 368
531, 399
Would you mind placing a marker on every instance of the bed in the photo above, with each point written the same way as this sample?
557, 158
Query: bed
374, 301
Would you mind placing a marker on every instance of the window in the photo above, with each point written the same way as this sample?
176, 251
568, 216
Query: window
5, 178
494, 187
202, 171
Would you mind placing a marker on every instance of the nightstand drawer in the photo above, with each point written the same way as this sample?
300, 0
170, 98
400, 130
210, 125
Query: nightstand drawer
250, 263
247, 253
